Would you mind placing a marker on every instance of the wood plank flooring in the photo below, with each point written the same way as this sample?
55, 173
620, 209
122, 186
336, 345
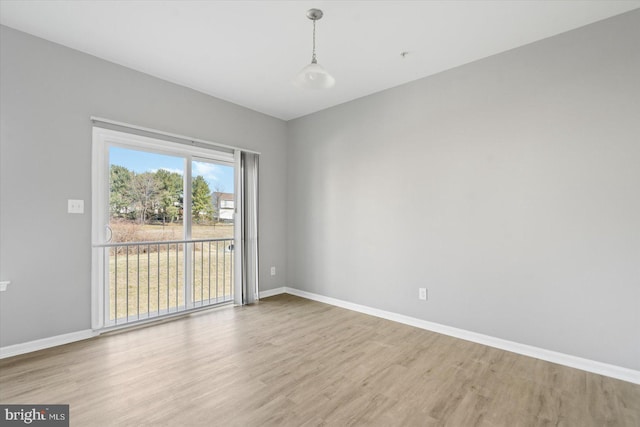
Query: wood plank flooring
288, 361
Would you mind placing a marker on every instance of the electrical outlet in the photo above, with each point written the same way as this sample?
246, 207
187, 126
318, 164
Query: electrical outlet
75, 206
273, 271
422, 293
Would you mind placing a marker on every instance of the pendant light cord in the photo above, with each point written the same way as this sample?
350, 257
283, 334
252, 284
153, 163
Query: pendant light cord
313, 57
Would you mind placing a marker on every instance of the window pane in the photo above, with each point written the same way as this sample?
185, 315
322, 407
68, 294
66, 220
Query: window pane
145, 197
212, 200
212, 218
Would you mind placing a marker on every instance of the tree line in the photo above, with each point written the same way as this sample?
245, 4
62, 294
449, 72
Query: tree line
156, 195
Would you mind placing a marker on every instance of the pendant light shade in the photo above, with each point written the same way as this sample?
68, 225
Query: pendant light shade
314, 76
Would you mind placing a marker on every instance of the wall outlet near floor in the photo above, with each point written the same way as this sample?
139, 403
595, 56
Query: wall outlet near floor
273, 271
422, 293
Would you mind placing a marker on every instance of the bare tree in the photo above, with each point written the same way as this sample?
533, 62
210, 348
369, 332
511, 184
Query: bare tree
145, 191
218, 190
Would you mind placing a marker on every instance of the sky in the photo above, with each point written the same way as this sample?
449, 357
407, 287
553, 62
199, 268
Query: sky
219, 177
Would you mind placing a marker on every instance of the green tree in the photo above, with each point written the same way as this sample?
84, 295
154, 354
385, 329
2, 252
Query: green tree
201, 199
170, 193
120, 179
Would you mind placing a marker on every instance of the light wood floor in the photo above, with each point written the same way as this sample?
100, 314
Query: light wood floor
293, 362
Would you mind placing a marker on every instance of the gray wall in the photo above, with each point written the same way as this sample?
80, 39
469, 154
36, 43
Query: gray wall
48, 92
509, 187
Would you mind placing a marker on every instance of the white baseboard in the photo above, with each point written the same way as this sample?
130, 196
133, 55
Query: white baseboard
41, 344
588, 365
272, 292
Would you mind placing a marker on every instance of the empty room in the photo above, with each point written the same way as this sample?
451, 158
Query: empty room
305, 213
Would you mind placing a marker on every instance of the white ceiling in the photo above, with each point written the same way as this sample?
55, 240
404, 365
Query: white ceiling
247, 52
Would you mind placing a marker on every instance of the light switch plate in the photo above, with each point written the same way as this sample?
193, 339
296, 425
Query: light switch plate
75, 206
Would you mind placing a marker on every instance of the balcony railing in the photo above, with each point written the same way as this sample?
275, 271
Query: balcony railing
144, 280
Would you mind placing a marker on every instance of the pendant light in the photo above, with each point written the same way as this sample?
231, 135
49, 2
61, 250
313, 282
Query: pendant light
313, 76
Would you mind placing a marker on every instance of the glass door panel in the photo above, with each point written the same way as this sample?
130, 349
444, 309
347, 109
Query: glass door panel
146, 277
212, 230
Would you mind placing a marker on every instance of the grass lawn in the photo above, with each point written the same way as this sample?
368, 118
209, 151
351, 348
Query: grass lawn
155, 273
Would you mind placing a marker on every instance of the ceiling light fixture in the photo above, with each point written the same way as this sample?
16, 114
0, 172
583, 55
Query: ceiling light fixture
313, 76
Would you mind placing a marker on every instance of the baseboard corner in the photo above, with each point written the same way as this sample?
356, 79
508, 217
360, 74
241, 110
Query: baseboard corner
271, 292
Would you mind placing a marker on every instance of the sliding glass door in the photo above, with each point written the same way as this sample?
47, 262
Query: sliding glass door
164, 238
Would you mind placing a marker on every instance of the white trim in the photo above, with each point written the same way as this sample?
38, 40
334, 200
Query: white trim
593, 366
588, 365
4, 285
272, 292
99, 219
41, 344
133, 141
171, 135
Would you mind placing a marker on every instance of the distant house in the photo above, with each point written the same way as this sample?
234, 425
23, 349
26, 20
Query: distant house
225, 206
